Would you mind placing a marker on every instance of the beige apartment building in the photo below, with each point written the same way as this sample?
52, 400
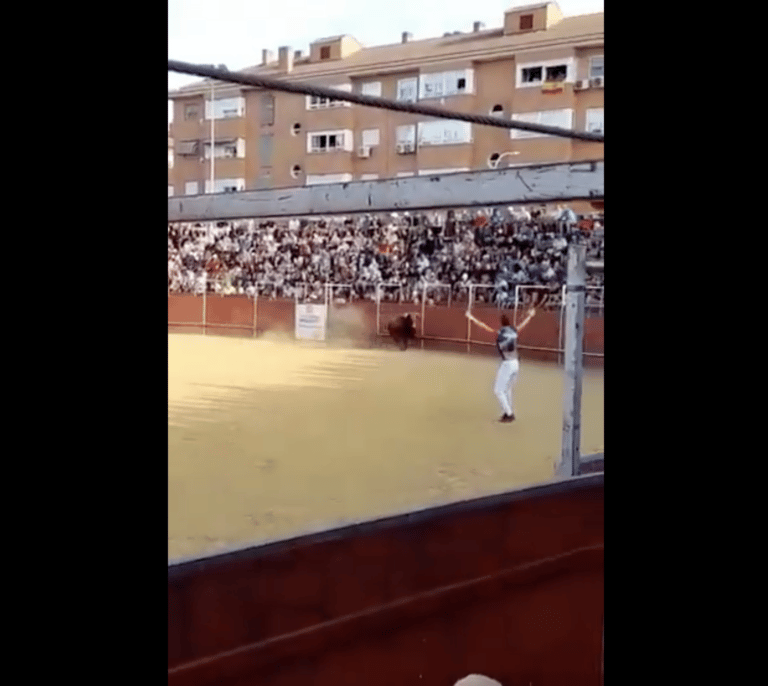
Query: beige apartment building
539, 66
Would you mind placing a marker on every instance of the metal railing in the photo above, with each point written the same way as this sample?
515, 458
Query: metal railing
524, 295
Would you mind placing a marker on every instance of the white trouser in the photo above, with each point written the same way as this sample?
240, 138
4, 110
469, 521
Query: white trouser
505, 380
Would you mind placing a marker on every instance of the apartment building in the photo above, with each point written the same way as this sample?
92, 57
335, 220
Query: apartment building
170, 165
539, 66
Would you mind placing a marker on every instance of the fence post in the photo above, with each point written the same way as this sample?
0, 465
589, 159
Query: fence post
574, 361
423, 311
517, 297
205, 296
561, 334
470, 302
255, 310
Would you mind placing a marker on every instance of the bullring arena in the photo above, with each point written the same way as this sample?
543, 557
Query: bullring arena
269, 437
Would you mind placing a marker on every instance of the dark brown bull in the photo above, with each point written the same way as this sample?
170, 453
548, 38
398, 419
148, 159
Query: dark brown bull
402, 330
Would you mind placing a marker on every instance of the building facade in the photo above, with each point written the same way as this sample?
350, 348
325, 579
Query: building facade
171, 175
539, 66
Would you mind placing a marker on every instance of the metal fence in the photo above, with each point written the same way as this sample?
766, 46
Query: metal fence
394, 299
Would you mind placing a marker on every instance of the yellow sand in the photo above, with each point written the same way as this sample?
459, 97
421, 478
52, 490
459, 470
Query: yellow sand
268, 439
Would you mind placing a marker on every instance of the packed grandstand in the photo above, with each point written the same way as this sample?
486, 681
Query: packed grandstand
442, 252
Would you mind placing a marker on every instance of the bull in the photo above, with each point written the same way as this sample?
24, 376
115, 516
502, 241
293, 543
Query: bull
402, 330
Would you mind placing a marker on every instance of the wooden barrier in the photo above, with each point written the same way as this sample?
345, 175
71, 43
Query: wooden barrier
510, 586
444, 328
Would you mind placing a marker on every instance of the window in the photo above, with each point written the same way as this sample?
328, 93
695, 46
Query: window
295, 171
497, 109
267, 109
560, 118
226, 149
444, 132
445, 84
370, 137
296, 129
225, 186
536, 73
170, 159
325, 52
328, 141
532, 75
369, 177
597, 67
170, 191
435, 172
595, 122
431, 133
190, 188
406, 135
188, 148
407, 89
431, 86
191, 112
226, 108
323, 143
557, 73
526, 22
372, 88
320, 179
317, 103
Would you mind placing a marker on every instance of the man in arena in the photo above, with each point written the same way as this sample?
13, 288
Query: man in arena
506, 377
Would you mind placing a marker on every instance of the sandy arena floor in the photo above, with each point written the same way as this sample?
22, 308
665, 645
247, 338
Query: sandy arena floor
268, 439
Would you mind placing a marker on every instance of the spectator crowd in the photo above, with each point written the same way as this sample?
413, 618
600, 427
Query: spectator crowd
444, 252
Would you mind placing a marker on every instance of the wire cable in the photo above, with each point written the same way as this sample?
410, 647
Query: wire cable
268, 83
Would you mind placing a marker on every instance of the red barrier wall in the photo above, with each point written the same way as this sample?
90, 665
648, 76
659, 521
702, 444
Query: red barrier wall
234, 315
509, 586
229, 315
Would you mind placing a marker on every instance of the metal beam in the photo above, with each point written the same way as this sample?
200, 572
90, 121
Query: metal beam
521, 185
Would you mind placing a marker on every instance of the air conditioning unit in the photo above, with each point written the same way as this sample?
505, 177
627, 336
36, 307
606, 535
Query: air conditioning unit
598, 82
364, 151
405, 148
581, 85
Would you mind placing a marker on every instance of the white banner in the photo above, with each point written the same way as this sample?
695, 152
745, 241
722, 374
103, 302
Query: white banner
310, 322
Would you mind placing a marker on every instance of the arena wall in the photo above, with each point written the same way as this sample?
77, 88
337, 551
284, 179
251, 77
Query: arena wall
441, 328
510, 586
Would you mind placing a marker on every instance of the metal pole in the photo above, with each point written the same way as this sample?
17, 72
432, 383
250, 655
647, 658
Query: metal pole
423, 312
574, 360
378, 309
205, 296
469, 309
517, 296
561, 335
255, 311
213, 120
